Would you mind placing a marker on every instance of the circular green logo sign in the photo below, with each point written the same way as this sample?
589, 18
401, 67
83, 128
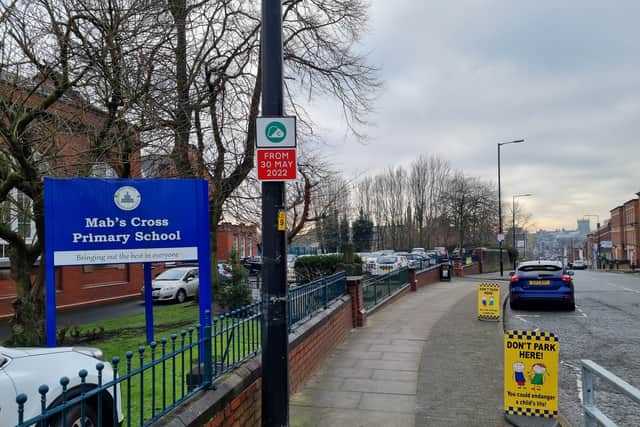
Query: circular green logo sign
275, 132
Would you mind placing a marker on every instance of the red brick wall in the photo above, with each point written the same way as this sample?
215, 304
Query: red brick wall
472, 269
244, 410
428, 276
306, 352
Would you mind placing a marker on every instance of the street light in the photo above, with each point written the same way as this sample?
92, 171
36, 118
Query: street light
513, 224
597, 250
500, 144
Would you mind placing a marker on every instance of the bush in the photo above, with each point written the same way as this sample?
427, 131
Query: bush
309, 268
235, 293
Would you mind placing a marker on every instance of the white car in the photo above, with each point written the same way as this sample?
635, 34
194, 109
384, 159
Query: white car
175, 284
24, 370
389, 263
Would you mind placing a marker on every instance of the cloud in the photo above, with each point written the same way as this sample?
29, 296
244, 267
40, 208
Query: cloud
461, 76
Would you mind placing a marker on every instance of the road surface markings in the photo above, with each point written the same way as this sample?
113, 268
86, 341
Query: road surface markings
635, 291
578, 373
582, 313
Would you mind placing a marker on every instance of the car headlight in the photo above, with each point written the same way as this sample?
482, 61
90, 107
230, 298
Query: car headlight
96, 353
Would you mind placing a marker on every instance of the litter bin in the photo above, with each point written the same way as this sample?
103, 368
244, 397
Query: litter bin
445, 272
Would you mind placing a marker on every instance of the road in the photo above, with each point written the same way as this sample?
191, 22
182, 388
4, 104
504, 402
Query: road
604, 328
86, 315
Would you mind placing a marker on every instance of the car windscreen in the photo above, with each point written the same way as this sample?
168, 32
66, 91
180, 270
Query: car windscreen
540, 270
387, 259
171, 275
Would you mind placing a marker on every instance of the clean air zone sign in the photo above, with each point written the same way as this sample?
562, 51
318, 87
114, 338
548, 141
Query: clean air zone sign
112, 221
276, 132
276, 153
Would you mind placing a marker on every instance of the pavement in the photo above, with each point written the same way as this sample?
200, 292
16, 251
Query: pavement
424, 360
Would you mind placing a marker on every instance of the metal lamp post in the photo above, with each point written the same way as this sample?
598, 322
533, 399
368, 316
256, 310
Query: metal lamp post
513, 224
500, 144
597, 251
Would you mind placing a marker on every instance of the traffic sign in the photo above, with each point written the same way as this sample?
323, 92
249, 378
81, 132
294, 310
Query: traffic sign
276, 132
501, 237
489, 301
277, 165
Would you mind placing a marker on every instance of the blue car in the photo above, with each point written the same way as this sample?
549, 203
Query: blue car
541, 281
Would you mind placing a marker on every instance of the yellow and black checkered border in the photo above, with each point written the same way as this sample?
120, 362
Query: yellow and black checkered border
531, 412
490, 286
488, 317
531, 335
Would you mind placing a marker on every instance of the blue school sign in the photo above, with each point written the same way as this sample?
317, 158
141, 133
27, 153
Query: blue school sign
125, 221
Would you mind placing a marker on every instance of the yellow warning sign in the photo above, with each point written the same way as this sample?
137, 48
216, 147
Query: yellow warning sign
489, 301
282, 220
531, 373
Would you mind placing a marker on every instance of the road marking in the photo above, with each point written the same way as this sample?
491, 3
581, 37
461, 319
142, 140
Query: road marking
578, 373
582, 313
635, 291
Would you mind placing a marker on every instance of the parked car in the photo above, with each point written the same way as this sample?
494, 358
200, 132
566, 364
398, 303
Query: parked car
370, 262
253, 264
579, 265
414, 260
541, 281
175, 284
388, 263
291, 268
224, 270
23, 370
420, 251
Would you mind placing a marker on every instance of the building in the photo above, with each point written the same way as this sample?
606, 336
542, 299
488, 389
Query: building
240, 239
631, 227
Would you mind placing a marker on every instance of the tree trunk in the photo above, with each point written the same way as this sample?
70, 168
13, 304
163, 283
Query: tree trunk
27, 324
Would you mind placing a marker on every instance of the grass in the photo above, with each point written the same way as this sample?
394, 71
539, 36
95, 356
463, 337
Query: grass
235, 339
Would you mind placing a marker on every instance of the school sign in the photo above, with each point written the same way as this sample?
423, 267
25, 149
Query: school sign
123, 221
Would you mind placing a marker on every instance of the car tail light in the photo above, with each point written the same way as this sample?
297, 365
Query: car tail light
566, 278
514, 278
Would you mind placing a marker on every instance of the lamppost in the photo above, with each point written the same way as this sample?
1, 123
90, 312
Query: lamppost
513, 224
501, 241
597, 250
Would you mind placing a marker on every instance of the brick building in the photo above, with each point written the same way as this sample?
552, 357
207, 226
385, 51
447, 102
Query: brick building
632, 230
241, 239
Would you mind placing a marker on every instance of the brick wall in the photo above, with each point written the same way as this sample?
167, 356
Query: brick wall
427, 277
472, 269
237, 399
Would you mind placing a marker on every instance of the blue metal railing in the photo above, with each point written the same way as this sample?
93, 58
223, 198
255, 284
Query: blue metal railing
153, 380
306, 300
378, 288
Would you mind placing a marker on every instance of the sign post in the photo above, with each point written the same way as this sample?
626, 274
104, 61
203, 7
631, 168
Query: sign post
489, 301
274, 132
530, 374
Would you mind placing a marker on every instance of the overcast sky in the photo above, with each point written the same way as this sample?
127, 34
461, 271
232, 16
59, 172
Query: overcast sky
462, 75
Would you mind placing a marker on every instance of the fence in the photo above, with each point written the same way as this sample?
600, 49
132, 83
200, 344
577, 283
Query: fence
155, 379
307, 299
379, 288
592, 415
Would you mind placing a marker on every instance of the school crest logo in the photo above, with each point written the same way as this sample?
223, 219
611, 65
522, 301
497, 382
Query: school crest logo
127, 198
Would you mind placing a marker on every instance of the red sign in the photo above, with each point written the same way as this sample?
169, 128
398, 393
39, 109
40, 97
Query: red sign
277, 165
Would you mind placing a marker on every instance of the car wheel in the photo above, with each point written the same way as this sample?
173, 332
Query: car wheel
571, 306
181, 296
514, 305
74, 419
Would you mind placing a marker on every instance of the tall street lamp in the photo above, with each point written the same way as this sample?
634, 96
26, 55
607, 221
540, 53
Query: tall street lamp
513, 224
597, 250
500, 144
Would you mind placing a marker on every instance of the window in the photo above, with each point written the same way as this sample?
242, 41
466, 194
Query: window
103, 170
250, 247
235, 243
243, 246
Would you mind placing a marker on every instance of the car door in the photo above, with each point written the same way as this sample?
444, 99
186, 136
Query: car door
8, 406
192, 284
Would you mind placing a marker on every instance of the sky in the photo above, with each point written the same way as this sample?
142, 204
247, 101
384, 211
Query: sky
460, 76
